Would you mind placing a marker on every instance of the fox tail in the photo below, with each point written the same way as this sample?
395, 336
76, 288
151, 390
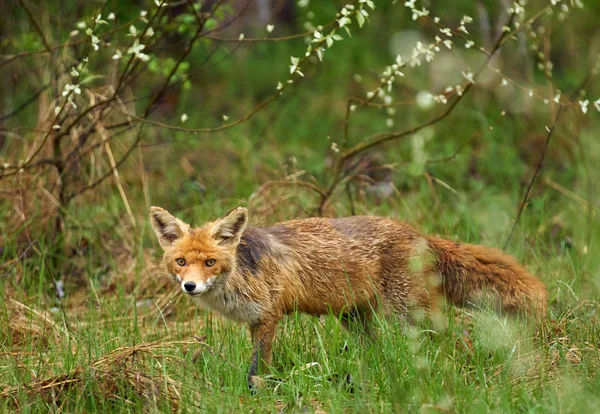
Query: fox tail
471, 272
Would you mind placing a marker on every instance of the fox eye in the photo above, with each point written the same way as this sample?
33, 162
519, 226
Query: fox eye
210, 262
180, 261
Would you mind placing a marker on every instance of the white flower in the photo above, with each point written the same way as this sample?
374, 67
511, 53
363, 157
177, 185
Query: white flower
440, 98
468, 76
95, 42
143, 13
446, 31
149, 32
136, 50
279, 86
99, 20
343, 21
597, 105
74, 33
111, 16
368, 3
303, 3
334, 147
410, 4
467, 19
504, 82
469, 44
118, 55
133, 31
584, 105
81, 25
68, 88
294, 65
317, 35
74, 72
270, 28
225, 118
184, 118
160, 4
241, 37
557, 98
57, 110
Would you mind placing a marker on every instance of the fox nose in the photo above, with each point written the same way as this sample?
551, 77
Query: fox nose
189, 286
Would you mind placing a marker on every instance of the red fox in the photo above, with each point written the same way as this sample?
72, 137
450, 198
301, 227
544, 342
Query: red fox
349, 266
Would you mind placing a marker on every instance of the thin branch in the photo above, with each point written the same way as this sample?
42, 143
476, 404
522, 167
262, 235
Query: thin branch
24, 104
535, 174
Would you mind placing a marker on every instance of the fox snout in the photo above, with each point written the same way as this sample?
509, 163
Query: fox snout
196, 288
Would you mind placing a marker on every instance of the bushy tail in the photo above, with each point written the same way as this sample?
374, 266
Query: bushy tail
473, 272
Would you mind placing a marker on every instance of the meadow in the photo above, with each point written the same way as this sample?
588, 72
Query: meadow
490, 142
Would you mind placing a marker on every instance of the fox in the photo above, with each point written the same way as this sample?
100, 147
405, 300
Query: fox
351, 267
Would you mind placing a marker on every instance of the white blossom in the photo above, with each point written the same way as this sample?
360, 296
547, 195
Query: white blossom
294, 65
111, 16
270, 28
136, 50
597, 105
95, 42
99, 20
584, 105
184, 118
468, 76
118, 55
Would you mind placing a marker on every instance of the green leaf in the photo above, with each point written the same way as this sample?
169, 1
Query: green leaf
360, 19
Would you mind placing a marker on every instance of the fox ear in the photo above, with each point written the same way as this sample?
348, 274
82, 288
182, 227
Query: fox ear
167, 228
229, 229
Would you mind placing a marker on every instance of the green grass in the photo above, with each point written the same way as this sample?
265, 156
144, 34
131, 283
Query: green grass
129, 341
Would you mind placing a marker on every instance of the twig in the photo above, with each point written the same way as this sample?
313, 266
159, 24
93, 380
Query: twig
535, 174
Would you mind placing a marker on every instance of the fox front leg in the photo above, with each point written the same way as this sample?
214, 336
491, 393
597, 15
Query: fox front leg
262, 338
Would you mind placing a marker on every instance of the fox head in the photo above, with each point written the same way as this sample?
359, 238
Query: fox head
199, 257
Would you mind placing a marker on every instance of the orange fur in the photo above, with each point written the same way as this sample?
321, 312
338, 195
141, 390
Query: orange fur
348, 266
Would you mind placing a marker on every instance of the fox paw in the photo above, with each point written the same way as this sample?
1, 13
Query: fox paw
256, 383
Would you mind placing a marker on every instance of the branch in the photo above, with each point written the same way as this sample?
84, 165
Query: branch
535, 174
